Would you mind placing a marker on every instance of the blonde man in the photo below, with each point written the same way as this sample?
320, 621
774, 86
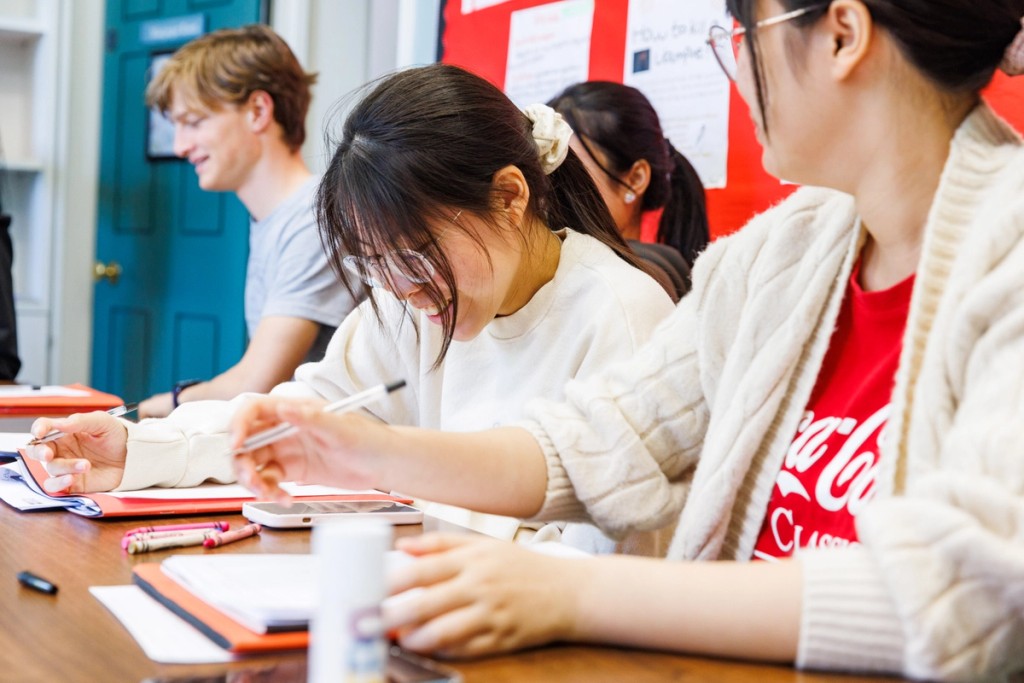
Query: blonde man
238, 100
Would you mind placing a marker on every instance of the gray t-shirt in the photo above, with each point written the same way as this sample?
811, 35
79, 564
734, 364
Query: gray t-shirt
288, 273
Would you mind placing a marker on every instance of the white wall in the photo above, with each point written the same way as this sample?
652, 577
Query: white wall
350, 43
347, 41
78, 132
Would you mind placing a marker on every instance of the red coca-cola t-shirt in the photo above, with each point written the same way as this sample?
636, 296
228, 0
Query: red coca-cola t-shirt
830, 468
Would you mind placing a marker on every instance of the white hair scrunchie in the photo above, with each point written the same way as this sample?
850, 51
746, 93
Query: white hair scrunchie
551, 133
1013, 58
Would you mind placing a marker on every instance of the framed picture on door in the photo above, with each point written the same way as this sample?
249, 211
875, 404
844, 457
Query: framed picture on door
160, 129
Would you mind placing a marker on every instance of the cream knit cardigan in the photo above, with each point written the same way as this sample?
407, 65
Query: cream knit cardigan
694, 428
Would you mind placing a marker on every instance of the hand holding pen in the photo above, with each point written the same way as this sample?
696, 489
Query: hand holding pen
265, 456
55, 434
88, 456
345, 405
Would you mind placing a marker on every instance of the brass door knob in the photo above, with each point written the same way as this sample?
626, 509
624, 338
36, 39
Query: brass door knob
111, 272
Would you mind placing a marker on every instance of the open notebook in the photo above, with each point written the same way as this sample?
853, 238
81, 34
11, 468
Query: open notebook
244, 603
153, 502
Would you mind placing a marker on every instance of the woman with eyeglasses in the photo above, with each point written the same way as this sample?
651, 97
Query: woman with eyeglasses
839, 398
494, 275
618, 136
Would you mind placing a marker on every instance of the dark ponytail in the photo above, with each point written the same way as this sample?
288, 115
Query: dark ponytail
684, 223
620, 121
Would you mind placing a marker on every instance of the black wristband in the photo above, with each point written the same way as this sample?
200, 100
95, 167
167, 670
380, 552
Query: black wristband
179, 387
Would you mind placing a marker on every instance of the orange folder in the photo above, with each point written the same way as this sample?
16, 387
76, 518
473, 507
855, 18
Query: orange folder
59, 405
214, 624
104, 505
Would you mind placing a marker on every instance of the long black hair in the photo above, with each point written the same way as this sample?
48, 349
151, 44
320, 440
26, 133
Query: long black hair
423, 145
956, 44
621, 122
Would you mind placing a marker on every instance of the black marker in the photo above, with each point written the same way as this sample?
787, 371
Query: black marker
30, 580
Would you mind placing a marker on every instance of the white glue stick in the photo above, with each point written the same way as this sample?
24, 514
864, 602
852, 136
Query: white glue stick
346, 639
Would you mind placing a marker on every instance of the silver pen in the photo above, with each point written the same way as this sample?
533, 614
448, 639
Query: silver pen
56, 433
345, 405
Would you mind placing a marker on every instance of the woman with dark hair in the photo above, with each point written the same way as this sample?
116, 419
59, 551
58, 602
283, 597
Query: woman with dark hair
619, 137
436, 156
840, 394
493, 271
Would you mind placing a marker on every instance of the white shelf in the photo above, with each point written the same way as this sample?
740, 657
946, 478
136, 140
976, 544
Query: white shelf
21, 166
29, 81
30, 306
25, 30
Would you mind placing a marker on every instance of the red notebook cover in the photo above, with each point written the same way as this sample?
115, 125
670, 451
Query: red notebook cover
214, 624
59, 405
105, 505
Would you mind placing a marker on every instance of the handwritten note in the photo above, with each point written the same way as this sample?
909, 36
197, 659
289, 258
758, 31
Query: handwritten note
548, 49
668, 59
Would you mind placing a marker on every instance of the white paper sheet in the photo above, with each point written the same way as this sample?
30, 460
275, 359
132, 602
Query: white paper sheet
668, 59
163, 636
548, 49
15, 493
10, 442
208, 491
28, 391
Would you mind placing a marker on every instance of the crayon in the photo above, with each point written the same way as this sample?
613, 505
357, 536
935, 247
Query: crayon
219, 539
195, 538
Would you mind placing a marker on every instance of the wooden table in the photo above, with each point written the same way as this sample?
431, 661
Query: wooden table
72, 637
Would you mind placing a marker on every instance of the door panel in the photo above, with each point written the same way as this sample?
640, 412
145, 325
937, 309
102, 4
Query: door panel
176, 310
195, 332
125, 359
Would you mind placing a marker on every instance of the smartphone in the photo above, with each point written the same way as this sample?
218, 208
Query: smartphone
300, 514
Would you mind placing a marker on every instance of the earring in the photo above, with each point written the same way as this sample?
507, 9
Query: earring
629, 197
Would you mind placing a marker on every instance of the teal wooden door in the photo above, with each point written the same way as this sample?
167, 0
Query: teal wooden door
174, 309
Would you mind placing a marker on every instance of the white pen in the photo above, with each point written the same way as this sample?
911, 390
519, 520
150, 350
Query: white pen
345, 405
56, 433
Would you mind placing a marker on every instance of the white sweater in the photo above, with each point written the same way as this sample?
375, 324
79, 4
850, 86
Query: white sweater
694, 428
595, 310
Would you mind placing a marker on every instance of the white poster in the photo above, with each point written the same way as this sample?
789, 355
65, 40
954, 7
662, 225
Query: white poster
548, 49
669, 60
470, 6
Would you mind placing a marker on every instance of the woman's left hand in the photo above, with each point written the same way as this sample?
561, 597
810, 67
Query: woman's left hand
480, 596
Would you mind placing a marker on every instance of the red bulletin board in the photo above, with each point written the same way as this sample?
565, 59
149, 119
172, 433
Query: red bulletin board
479, 42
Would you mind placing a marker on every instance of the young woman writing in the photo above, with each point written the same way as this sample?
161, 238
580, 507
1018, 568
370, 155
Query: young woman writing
494, 271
